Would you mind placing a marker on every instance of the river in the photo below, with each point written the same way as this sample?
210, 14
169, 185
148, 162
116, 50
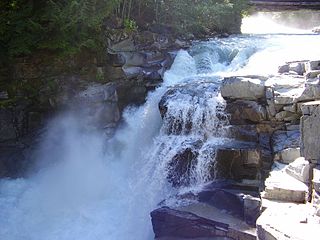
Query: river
105, 189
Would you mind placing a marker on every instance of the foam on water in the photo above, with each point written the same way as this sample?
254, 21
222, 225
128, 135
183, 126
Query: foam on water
89, 188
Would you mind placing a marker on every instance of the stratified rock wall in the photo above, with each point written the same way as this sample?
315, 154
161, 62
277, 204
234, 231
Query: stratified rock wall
280, 104
40, 85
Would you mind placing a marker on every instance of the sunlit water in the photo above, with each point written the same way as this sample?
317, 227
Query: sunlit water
89, 188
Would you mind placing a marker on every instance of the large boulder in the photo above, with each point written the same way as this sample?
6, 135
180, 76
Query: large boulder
198, 221
286, 221
246, 112
172, 223
310, 132
246, 88
239, 200
281, 186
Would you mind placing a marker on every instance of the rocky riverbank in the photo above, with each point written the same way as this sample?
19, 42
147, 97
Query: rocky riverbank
270, 168
43, 84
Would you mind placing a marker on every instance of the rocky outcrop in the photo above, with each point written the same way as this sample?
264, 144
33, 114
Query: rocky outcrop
133, 64
279, 102
221, 209
310, 147
244, 88
268, 149
310, 137
283, 220
244, 112
281, 186
99, 107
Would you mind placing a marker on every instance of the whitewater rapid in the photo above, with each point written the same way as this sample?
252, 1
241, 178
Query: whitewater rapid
90, 188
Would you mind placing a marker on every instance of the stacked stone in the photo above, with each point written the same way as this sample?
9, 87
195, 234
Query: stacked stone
310, 140
273, 106
250, 120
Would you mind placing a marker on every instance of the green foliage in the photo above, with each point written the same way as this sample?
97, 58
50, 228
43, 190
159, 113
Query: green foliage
130, 25
68, 26
99, 76
64, 26
198, 16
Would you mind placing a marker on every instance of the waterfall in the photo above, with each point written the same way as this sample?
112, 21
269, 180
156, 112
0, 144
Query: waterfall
91, 188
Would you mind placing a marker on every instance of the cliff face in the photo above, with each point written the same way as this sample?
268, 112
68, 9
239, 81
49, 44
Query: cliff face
271, 164
37, 86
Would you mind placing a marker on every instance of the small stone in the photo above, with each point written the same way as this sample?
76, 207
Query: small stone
312, 65
300, 169
316, 30
283, 68
312, 74
297, 67
287, 155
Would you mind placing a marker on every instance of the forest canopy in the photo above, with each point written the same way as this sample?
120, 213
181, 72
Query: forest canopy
67, 26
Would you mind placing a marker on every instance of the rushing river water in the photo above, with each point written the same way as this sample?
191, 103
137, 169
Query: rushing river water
100, 189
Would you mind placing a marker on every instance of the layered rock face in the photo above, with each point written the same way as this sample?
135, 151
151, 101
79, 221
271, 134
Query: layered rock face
133, 65
283, 104
271, 147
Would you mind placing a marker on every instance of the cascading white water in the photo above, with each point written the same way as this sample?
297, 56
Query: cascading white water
97, 189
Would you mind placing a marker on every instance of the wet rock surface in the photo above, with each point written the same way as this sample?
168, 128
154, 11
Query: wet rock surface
134, 64
219, 210
271, 150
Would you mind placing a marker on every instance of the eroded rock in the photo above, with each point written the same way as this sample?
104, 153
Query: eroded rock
245, 88
300, 169
283, 187
244, 112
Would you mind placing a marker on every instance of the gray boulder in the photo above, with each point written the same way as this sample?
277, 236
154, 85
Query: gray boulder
310, 132
245, 88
